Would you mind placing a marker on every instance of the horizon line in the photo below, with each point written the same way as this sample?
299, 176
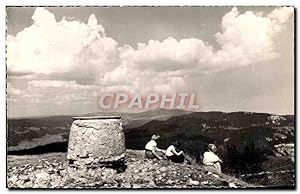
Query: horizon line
156, 109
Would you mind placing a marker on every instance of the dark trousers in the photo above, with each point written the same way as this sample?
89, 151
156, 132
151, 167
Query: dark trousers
176, 159
149, 154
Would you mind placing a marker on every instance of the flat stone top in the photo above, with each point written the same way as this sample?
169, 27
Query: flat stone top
96, 117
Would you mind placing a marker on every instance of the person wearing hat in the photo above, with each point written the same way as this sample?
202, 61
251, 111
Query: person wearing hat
211, 161
151, 149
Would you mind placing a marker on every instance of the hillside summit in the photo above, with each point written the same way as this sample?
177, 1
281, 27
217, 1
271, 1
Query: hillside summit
51, 171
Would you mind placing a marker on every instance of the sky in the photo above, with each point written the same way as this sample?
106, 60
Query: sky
61, 59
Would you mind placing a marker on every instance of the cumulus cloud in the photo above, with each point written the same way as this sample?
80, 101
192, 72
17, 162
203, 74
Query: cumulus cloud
66, 47
171, 54
249, 38
70, 54
245, 39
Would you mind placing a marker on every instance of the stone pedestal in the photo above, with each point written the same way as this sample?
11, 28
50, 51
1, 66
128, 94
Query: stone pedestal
96, 141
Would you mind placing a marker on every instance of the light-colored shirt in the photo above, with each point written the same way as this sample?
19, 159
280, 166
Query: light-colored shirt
170, 150
209, 158
150, 145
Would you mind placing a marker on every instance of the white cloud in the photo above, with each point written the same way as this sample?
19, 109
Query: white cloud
13, 92
281, 15
249, 38
53, 92
51, 47
245, 39
48, 84
171, 54
83, 54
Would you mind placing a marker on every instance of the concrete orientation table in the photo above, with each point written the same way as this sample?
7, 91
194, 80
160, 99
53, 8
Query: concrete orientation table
96, 141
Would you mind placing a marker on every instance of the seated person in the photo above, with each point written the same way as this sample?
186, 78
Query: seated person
151, 149
211, 161
173, 155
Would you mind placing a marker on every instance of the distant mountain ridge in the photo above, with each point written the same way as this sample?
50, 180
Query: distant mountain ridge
131, 120
27, 133
30, 133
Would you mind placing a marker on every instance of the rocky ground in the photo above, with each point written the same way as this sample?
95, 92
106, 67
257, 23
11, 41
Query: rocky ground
51, 171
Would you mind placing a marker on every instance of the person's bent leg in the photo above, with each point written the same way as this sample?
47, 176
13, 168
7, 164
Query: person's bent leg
162, 155
217, 167
149, 154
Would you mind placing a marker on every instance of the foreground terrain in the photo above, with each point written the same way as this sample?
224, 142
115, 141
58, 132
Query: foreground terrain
51, 171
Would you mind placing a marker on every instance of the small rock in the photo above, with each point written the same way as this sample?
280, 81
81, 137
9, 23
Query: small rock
28, 184
151, 184
169, 182
204, 182
136, 186
55, 184
144, 169
91, 172
19, 182
24, 177
232, 185
63, 172
192, 182
126, 185
42, 176
32, 177
13, 179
